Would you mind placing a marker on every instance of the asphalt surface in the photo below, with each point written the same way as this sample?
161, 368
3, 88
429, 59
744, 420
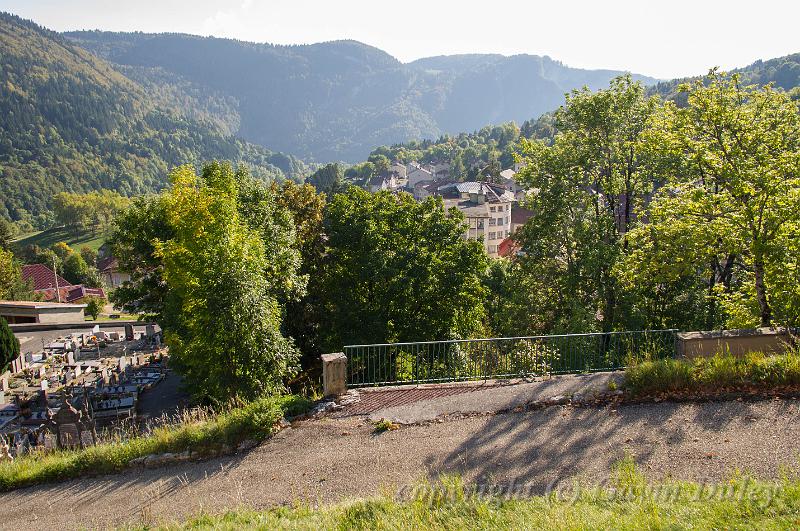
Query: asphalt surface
483, 397
329, 460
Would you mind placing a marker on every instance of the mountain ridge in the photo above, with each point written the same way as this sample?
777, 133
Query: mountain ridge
337, 100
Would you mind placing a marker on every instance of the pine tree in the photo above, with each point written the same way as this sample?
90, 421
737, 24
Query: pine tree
9, 345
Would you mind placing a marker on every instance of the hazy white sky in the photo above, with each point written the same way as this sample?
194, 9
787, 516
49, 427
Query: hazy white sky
664, 39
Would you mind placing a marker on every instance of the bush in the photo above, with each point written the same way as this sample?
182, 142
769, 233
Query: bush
721, 371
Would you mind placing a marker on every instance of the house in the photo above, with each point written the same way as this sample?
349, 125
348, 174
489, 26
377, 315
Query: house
519, 216
399, 170
507, 179
18, 312
110, 272
440, 170
416, 174
509, 248
53, 287
487, 209
387, 181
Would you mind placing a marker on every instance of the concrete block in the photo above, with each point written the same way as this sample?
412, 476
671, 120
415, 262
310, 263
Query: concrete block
334, 374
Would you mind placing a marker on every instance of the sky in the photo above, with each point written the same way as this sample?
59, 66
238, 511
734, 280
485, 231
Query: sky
666, 39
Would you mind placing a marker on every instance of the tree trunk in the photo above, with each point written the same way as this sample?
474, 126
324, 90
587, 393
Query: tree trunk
761, 293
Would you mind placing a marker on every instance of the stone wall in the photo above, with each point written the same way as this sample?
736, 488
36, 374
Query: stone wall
735, 342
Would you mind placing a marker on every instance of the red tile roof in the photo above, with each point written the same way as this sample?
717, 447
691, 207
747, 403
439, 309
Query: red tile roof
43, 280
42, 277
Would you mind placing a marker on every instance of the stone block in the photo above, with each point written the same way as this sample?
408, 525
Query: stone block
334, 374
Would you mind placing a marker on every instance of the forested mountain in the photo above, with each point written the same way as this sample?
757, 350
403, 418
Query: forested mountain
69, 121
337, 100
782, 72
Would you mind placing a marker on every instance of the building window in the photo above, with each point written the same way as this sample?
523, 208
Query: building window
492, 222
499, 221
492, 249
491, 209
492, 235
480, 223
507, 220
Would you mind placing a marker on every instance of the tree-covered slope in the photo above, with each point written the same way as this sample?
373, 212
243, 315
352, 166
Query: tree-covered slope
69, 121
782, 72
338, 100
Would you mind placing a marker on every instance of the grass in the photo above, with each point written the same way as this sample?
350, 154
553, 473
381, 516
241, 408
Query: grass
205, 434
49, 237
627, 502
384, 425
754, 370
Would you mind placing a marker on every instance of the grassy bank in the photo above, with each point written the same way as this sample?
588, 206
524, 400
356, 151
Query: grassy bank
205, 435
721, 372
627, 503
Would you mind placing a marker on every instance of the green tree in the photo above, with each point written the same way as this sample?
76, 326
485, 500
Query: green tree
588, 183
133, 244
94, 305
399, 270
89, 255
305, 314
329, 179
7, 233
9, 345
733, 154
222, 322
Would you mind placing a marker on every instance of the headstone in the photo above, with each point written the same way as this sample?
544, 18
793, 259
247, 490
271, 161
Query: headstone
4, 382
42, 371
70, 358
86, 339
128, 332
123, 362
106, 376
150, 330
114, 336
45, 385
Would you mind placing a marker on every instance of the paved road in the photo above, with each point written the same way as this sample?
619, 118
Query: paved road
333, 459
413, 405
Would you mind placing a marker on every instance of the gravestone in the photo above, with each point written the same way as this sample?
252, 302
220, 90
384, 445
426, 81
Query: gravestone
4, 382
70, 358
129, 332
150, 330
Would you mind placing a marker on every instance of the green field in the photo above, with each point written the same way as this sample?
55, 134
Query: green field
50, 237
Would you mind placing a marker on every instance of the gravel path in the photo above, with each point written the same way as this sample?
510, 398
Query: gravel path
322, 461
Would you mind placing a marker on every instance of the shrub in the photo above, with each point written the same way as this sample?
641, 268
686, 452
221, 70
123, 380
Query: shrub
720, 371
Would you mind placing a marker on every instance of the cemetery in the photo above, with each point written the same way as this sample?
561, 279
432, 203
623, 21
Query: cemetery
76, 386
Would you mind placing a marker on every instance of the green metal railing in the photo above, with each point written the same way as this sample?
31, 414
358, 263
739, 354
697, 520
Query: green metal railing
503, 357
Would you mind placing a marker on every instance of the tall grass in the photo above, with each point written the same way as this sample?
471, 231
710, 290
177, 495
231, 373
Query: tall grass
628, 502
202, 433
722, 371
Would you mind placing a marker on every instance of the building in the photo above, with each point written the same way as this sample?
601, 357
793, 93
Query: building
416, 174
519, 216
110, 272
399, 169
487, 209
53, 287
387, 181
19, 312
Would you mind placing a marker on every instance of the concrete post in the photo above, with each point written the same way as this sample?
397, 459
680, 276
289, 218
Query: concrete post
334, 374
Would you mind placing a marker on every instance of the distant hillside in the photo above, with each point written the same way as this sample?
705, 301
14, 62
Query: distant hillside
337, 100
69, 121
783, 72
